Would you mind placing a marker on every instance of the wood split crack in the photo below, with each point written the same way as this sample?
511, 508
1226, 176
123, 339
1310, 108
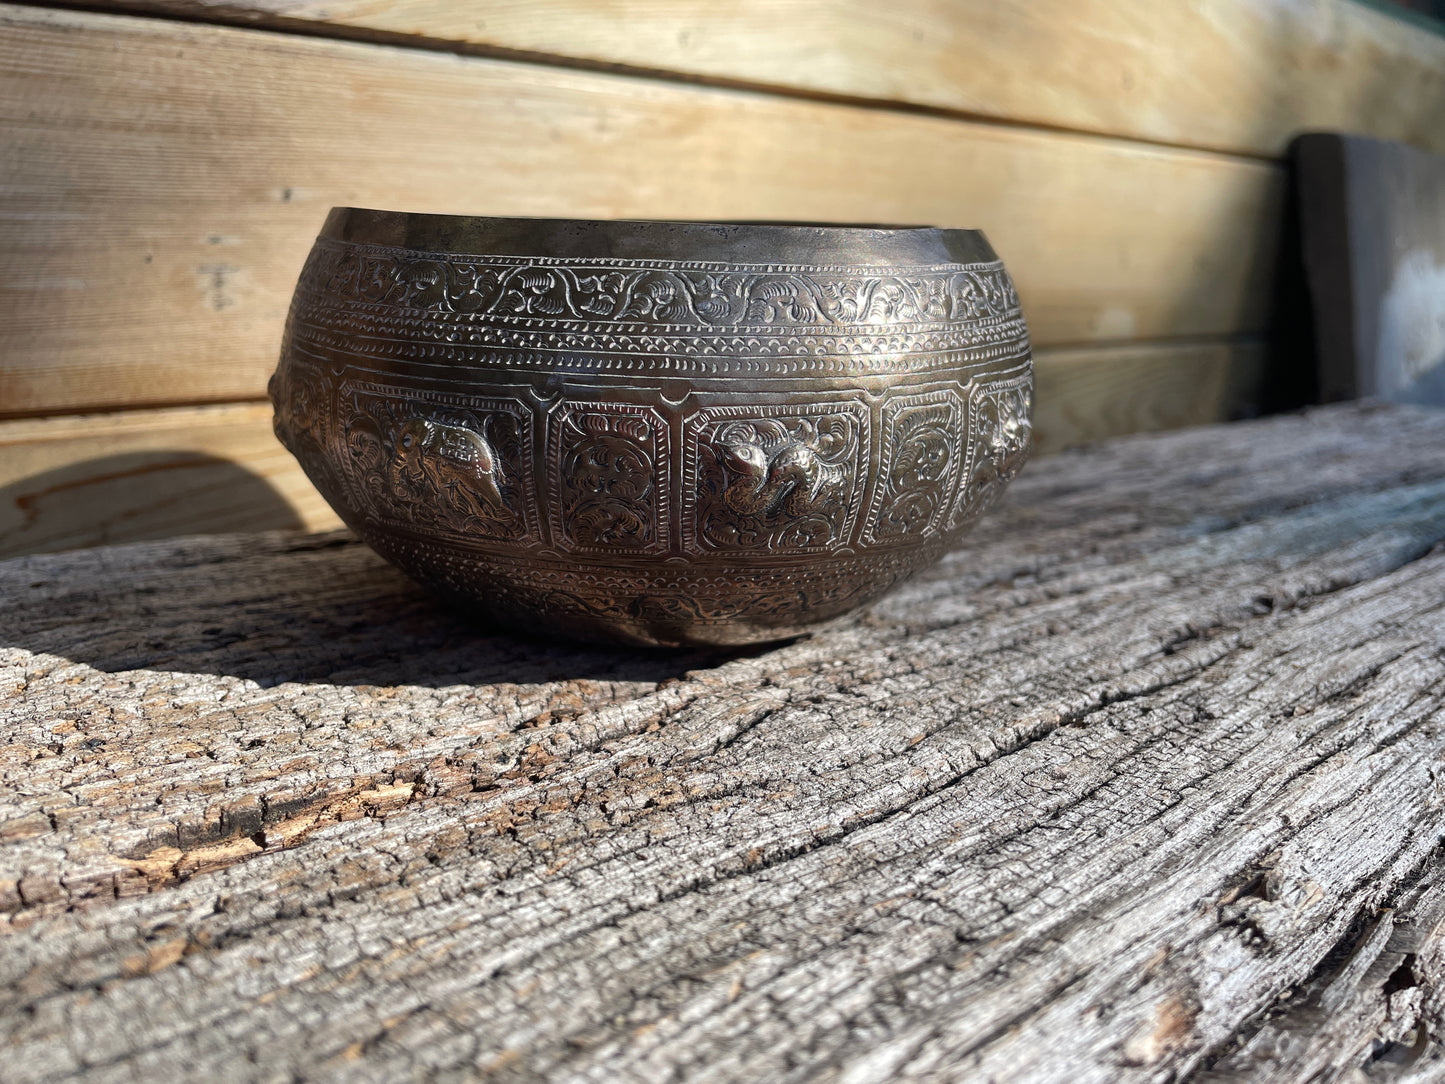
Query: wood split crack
1371, 1005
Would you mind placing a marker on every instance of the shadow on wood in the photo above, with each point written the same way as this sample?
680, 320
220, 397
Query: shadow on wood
339, 614
134, 497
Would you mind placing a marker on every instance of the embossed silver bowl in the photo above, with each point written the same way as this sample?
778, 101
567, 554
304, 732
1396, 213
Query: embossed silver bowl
654, 432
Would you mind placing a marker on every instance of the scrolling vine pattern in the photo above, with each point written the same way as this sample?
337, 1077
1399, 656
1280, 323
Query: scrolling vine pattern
612, 491
921, 456
665, 293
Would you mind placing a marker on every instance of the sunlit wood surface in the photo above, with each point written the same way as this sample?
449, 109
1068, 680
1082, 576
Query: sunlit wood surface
1141, 784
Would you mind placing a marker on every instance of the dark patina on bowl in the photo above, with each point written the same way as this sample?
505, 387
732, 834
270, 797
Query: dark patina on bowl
654, 432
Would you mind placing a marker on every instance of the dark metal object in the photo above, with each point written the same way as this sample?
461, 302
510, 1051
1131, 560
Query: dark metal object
654, 432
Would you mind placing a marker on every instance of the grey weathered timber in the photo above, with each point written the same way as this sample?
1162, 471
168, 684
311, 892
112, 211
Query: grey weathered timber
1372, 217
1146, 782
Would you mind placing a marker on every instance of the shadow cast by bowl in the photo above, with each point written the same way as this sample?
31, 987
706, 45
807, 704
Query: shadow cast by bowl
136, 496
281, 607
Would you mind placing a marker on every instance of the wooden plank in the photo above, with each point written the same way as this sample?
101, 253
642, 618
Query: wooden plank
163, 181
1373, 229
88, 480
1354, 1011
1092, 393
1236, 75
1141, 778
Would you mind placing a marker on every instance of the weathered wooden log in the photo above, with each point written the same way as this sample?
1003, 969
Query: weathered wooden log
1146, 782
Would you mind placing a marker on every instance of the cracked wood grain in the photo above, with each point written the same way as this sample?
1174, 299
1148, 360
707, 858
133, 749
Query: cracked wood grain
1143, 783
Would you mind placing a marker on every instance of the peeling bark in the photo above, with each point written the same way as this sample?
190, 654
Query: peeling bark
1143, 783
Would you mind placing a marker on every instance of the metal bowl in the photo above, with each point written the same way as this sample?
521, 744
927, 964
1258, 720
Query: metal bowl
654, 432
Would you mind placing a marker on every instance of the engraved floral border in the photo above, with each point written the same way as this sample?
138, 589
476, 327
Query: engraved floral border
367, 332
696, 593
669, 293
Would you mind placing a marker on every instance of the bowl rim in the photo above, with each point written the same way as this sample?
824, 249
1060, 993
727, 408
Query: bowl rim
686, 240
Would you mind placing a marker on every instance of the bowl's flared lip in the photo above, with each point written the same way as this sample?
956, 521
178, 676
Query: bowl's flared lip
728, 242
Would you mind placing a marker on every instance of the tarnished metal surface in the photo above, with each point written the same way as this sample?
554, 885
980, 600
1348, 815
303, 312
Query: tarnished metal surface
661, 433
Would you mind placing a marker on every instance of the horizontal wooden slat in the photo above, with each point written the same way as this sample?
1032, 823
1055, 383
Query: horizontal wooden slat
74, 481
1097, 392
161, 183
1241, 75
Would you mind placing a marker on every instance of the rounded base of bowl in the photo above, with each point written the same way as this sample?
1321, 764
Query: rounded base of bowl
666, 604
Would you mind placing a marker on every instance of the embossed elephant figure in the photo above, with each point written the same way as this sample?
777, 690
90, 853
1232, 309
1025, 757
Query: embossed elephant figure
448, 467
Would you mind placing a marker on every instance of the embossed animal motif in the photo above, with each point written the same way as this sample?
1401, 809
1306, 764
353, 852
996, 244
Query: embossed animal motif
1005, 440
448, 467
793, 479
299, 400
1011, 436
